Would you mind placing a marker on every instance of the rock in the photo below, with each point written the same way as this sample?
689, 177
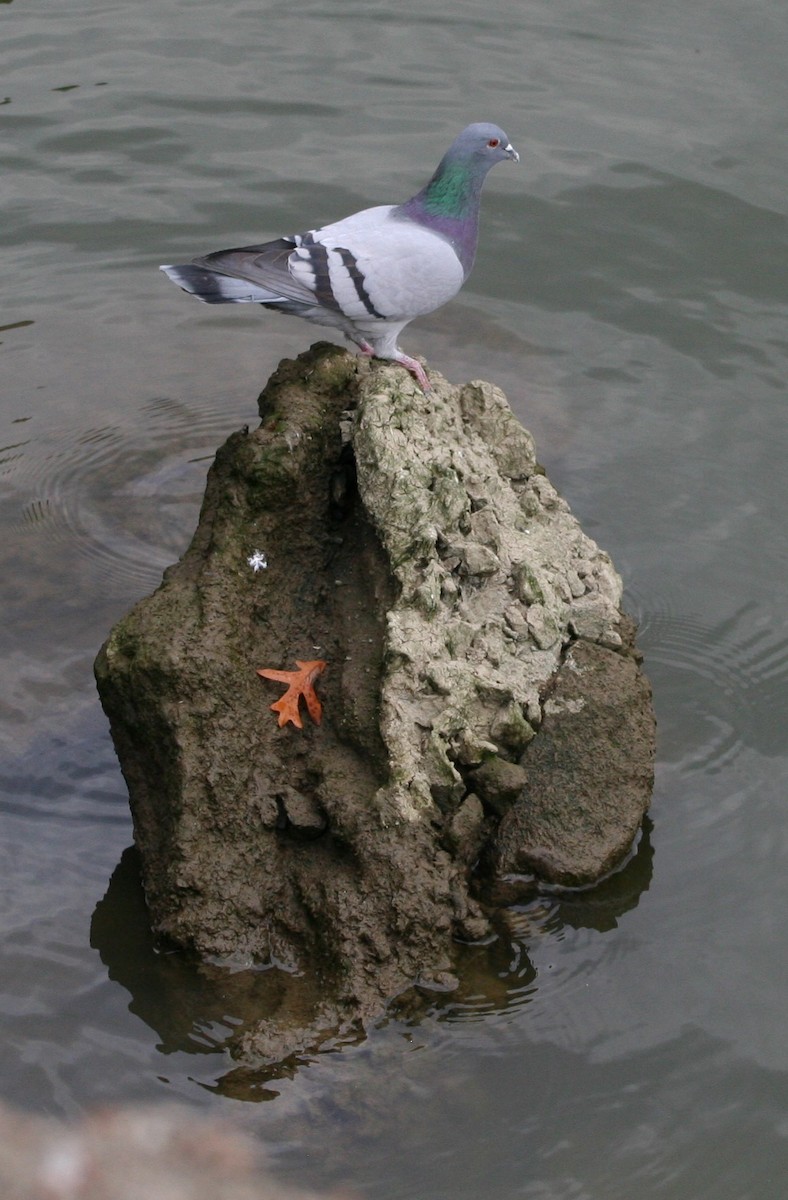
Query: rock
499, 783
414, 544
301, 814
587, 776
426, 468
161, 1152
465, 830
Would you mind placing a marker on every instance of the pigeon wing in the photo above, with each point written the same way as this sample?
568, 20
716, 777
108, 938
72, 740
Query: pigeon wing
368, 267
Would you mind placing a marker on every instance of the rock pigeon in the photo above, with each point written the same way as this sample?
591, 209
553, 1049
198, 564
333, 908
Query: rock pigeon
371, 273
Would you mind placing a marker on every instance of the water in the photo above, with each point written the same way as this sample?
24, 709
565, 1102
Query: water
630, 296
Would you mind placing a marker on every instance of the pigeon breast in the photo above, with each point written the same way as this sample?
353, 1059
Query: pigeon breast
377, 265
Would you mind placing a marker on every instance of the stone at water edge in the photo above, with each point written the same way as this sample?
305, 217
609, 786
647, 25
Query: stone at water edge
445, 592
587, 778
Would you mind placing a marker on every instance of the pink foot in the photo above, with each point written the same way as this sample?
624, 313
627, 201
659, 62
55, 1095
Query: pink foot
410, 364
416, 370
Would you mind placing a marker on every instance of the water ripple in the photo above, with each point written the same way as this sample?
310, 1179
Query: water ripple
723, 684
121, 500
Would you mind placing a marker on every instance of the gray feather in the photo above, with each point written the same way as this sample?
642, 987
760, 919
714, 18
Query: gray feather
373, 272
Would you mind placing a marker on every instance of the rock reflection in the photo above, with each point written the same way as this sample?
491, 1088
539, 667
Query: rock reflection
203, 1008
193, 1006
601, 907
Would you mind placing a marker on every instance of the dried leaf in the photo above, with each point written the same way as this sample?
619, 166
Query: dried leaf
300, 683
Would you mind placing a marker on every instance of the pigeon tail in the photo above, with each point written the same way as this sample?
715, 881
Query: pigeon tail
214, 288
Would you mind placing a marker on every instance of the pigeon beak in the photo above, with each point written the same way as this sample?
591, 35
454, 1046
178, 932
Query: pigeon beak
510, 152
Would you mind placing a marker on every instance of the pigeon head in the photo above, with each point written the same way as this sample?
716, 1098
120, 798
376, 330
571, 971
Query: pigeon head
456, 185
449, 203
483, 144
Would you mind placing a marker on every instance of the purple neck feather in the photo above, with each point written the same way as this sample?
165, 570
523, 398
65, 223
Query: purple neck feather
461, 232
449, 205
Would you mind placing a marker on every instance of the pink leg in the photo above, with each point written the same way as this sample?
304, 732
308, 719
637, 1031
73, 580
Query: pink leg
410, 364
416, 370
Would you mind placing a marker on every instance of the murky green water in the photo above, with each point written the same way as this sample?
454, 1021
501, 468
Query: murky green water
630, 296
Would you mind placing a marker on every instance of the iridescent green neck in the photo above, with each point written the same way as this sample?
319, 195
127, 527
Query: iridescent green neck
452, 191
449, 205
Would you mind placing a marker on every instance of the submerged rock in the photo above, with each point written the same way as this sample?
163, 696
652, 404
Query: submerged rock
485, 721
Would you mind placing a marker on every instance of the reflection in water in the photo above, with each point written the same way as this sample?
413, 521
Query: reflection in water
191, 1006
602, 906
196, 1006
201, 1008
498, 976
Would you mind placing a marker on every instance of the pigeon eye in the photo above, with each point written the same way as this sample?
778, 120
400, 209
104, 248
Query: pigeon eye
493, 142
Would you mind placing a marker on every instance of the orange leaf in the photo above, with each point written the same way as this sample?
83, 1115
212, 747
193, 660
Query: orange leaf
300, 684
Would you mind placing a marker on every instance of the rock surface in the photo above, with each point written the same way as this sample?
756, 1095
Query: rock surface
162, 1153
485, 718
581, 803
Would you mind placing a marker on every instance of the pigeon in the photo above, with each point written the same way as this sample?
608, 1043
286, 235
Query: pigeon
371, 273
